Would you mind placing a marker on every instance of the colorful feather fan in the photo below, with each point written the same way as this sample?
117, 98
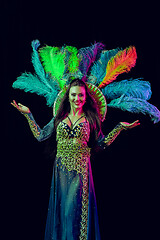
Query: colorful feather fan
55, 67
122, 62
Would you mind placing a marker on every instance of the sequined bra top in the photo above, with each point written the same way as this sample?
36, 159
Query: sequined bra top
80, 132
72, 146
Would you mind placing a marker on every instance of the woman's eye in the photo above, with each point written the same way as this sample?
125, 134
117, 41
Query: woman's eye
80, 95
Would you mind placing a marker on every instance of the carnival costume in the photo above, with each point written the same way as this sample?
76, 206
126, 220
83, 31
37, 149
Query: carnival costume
72, 212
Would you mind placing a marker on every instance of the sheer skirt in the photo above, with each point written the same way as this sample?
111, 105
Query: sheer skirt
67, 215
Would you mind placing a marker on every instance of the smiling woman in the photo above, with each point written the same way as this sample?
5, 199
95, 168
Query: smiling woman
77, 101
72, 202
79, 107
77, 97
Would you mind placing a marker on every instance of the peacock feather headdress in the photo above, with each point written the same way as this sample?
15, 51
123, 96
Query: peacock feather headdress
56, 67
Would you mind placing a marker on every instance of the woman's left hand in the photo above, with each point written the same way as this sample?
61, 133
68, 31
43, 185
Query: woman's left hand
127, 125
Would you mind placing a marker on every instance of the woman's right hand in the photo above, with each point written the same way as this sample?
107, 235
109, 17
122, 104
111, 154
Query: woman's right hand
20, 107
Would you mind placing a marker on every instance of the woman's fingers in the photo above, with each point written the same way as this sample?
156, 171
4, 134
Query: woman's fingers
14, 104
134, 124
130, 125
19, 106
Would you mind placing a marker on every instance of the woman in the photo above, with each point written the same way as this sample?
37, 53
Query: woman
72, 204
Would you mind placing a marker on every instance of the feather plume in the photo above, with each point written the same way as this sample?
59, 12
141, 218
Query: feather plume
87, 56
98, 70
129, 87
60, 62
31, 83
38, 66
136, 105
122, 62
53, 61
73, 60
35, 59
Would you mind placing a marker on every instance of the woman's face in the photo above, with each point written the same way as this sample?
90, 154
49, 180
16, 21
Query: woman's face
77, 97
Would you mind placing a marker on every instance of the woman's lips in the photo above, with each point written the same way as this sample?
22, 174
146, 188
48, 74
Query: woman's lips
77, 103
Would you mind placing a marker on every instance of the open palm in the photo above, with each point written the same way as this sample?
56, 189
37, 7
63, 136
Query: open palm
20, 107
127, 125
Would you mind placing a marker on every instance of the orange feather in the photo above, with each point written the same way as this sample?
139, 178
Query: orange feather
122, 62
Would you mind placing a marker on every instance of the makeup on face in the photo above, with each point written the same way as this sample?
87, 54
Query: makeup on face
77, 96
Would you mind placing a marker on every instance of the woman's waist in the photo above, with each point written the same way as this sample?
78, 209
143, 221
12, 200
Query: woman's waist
72, 145
72, 142
73, 155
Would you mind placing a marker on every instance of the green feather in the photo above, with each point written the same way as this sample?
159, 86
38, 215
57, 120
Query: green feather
73, 61
53, 62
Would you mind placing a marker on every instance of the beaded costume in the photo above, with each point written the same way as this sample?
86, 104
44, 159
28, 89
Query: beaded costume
72, 212
72, 198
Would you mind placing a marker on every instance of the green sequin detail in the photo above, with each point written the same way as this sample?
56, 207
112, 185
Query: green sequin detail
113, 134
33, 126
74, 153
72, 146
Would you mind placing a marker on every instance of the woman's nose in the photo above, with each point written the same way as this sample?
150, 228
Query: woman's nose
77, 97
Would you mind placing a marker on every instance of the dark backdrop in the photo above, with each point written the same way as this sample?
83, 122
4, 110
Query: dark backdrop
126, 175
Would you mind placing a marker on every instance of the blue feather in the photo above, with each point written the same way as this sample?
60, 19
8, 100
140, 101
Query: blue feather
131, 87
31, 83
36, 61
43, 77
136, 105
88, 55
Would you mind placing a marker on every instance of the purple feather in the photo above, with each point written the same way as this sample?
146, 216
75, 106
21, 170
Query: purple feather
88, 56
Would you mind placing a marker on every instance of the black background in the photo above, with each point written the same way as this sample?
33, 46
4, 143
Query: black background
126, 175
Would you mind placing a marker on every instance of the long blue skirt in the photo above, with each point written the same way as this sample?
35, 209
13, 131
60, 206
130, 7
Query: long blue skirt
71, 216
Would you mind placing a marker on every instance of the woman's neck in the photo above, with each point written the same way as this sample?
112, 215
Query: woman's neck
76, 112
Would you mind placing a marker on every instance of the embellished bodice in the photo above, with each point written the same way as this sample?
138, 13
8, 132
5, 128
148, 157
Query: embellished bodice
72, 146
80, 132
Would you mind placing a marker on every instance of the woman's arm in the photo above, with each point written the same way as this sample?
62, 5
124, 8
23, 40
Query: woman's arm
103, 142
39, 134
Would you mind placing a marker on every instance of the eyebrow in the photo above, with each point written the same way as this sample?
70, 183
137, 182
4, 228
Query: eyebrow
76, 93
